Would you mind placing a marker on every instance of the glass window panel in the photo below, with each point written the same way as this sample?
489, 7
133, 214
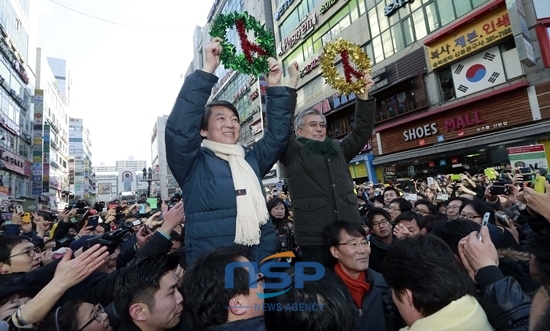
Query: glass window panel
297, 55
344, 23
398, 38
368, 49
478, 3
370, 4
419, 24
362, 7
327, 37
308, 48
378, 50
373, 23
382, 20
336, 18
431, 17
321, 31
408, 31
317, 45
303, 9
462, 7
446, 11
415, 5
313, 4
353, 9
289, 24
388, 43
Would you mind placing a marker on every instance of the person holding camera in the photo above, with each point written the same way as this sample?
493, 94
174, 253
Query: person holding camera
221, 179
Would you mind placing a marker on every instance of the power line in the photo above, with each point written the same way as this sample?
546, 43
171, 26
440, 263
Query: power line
113, 22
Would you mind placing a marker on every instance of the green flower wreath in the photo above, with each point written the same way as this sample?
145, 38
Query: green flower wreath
263, 47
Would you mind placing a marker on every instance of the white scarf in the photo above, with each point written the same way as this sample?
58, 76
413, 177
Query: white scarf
251, 206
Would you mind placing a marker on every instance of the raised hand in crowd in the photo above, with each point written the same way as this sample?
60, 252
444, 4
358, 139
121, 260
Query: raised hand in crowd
538, 202
154, 219
142, 237
172, 218
275, 73
476, 254
294, 74
212, 55
400, 231
369, 83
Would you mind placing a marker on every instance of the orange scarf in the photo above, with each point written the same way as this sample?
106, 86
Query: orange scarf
358, 287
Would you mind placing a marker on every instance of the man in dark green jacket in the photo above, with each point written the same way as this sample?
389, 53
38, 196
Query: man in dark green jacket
319, 181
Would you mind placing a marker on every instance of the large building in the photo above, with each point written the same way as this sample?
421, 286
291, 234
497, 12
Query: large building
110, 184
104, 168
457, 82
16, 81
50, 137
137, 165
61, 74
247, 93
164, 183
81, 179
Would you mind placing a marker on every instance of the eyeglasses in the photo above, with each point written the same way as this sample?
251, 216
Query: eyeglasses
394, 208
356, 245
98, 316
31, 251
471, 217
382, 222
452, 207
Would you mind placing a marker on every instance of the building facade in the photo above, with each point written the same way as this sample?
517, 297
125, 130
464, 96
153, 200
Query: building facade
247, 93
62, 76
16, 91
50, 136
111, 184
81, 181
136, 165
439, 66
104, 168
164, 183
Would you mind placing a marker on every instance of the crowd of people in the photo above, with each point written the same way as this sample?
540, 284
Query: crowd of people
315, 253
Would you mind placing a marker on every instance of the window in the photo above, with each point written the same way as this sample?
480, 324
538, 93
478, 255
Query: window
446, 11
290, 23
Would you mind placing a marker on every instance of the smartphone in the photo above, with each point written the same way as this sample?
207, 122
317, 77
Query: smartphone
142, 209
456, 178
19, 209
431, 181
484, 222
137, 223
93, 221
496, 190
525, 170
118, 209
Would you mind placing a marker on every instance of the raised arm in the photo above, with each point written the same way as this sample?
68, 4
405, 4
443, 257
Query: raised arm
363, 124
279, 117
183, 139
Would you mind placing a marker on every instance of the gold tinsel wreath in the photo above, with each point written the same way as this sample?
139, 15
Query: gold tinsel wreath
330, 72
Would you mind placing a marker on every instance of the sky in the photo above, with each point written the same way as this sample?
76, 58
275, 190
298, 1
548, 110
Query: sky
124, 75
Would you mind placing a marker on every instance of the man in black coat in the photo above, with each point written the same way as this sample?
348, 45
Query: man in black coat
319, 181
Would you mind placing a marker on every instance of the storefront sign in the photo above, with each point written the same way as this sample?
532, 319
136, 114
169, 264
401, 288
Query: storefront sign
283, 9
327, 5
420, 132
306, 27
14, 162
392, 8
310, 67
463, 121
486, 31
336, 101
240, 93
254, 95
10, 125
533, 156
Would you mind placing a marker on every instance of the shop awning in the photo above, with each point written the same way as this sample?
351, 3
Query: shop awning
486, 139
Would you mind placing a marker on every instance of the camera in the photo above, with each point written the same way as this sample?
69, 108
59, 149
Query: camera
497, 190
110, 239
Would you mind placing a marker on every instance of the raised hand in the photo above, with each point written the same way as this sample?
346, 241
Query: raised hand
369, 83
212, 55
275, 73
294, 74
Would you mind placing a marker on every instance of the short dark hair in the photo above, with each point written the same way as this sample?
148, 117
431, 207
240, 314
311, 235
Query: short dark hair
376, 211
62, 318
216, 103
205, 292
451, 232
463, 200
481, 207
412, 216
404, 204
540, 248
140, 280
433, 209
328, 291
391, 188
333, 230
427, 267
7, 243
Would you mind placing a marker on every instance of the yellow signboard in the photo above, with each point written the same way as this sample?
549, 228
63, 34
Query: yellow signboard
358, 170
468, 40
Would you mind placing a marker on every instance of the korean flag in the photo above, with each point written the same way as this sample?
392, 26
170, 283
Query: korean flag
478, 72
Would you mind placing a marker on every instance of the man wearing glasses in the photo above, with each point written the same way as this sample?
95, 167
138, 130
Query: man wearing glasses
382, 239
17, 257
370, 296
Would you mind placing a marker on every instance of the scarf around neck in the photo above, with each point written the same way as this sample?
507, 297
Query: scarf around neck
357, 287
251, 207
315, 147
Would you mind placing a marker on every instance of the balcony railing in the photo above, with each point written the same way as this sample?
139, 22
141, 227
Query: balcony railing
385, 114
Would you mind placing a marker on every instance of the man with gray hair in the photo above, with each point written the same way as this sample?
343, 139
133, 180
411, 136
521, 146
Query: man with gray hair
319, 181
